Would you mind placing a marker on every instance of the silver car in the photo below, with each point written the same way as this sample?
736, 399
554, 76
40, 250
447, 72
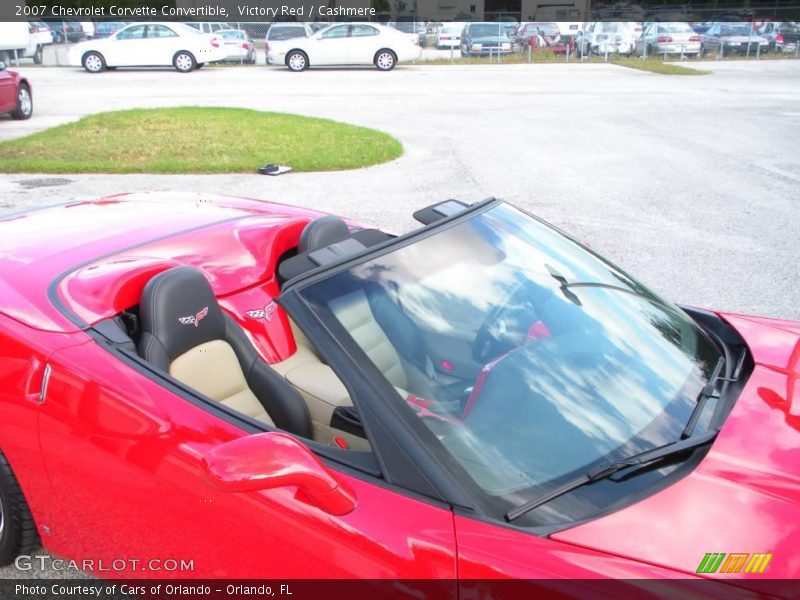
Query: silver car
668, 38
238, 45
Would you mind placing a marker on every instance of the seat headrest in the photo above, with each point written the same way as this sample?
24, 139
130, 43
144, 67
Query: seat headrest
322, 232
179, 311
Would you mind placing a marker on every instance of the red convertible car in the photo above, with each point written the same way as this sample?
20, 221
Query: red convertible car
15, 94
265, 391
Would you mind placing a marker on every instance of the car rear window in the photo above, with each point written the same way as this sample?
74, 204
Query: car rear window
285, 33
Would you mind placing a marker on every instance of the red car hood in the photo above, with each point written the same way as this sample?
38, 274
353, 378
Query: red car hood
744, 497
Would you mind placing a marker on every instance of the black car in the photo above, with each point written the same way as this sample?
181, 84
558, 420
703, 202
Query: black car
732, 38
65, 31
483, 39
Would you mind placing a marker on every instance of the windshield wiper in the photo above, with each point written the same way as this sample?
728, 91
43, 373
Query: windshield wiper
605, 471
708, 392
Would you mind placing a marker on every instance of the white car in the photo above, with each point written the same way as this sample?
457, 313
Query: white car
149, 45
348, 44
281, 37
16, 41
601, 37
449, 35
668, 38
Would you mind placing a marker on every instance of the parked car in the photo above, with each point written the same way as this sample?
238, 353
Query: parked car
88, 28
449, 35
347, 44
782, 36
415, 29
208, 27
542, 37
600, 37
569, 28
238, 46
732, 38
16, 95
482, 39
65, 30
149, 45
17, 41
42, 36
269, 393
280, 39
668, 38
104, 29
317, 25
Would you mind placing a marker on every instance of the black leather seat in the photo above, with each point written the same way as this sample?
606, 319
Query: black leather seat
322, 232
186, 333
398, 329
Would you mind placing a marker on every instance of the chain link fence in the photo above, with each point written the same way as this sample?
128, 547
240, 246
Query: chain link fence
248, 47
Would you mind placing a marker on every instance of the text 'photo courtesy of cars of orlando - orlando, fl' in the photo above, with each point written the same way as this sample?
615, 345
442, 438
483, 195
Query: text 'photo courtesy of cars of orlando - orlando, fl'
256, 377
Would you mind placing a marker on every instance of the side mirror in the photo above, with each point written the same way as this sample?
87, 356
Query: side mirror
272, 460
2, 66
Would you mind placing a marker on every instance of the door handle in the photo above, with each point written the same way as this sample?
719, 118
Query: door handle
37, 381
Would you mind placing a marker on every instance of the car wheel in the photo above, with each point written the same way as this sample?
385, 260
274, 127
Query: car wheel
38, 56
297, 61
24, 108
184, 62
93, 62
385, 60
17, 529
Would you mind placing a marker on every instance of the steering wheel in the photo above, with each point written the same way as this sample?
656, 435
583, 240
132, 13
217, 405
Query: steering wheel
507, 324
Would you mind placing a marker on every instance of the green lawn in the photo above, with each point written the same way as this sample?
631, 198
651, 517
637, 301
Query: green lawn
196, 140
656, 66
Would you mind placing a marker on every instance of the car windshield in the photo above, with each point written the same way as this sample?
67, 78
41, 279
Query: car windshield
488, 30
530, 358
232, 35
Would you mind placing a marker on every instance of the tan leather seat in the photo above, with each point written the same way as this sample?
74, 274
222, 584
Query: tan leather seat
186, 334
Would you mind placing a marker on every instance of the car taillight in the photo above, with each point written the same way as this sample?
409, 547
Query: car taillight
694, 38
664, 39
215, 42
779, 39
245, 45
266, 46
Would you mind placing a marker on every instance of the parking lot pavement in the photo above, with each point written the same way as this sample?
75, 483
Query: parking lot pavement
689, 183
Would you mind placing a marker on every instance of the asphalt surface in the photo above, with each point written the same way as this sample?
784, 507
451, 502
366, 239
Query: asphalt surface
689, 183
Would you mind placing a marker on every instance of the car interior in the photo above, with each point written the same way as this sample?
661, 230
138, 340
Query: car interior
301, 394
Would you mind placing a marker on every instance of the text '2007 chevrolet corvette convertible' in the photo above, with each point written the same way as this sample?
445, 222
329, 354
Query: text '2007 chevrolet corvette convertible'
273, 392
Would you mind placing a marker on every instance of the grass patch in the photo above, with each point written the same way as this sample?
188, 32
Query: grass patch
656, 66
652, 65
196, 140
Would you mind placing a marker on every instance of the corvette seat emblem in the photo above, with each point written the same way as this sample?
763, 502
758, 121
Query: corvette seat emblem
263, 313
194, 319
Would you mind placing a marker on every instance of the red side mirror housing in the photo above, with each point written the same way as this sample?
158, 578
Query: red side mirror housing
272, 460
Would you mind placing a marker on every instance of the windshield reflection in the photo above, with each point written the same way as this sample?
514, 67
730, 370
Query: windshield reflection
530, 358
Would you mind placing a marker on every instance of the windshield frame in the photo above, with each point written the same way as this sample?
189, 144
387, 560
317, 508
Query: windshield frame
343, 354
